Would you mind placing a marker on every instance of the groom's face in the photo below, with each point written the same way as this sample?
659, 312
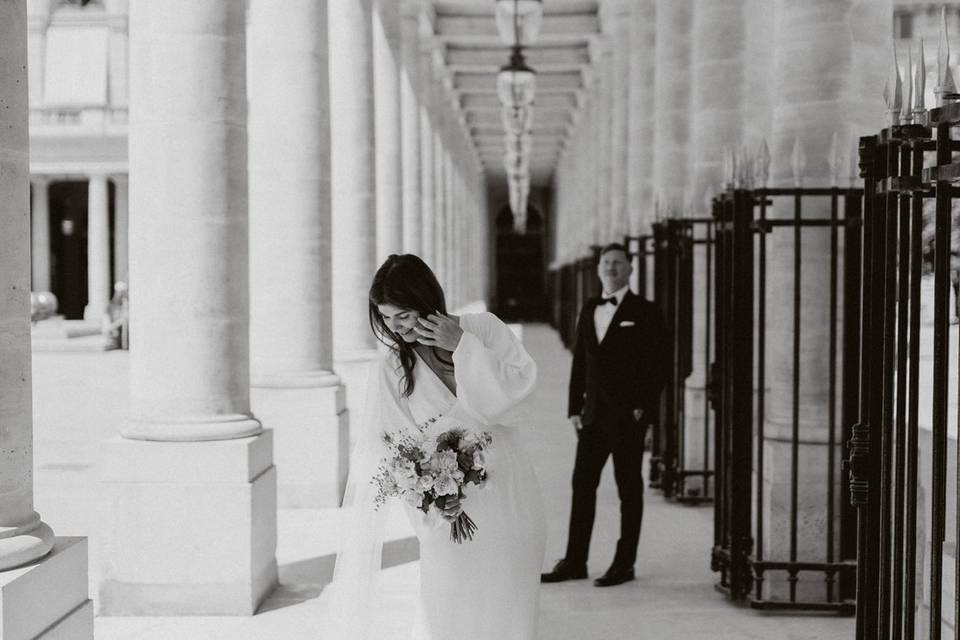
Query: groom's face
400, 321
614, 270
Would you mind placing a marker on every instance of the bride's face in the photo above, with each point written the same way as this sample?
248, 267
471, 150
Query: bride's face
401, 321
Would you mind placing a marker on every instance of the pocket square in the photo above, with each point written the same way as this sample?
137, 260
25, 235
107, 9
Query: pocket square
627, 323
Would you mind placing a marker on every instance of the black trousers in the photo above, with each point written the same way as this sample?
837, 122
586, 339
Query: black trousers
623, 439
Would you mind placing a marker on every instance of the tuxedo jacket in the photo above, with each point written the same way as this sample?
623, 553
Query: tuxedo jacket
626, 370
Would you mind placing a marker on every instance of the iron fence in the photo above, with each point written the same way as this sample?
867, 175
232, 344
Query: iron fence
903, 166
740, 385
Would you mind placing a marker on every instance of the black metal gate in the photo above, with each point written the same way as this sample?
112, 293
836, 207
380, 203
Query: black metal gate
887, 460
739, 385
676, 242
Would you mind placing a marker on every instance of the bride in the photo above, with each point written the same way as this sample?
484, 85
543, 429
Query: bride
445, 371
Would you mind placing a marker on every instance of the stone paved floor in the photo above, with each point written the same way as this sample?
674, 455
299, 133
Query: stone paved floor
80, 400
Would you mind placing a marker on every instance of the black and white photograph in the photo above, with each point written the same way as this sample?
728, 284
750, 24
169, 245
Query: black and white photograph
479, 319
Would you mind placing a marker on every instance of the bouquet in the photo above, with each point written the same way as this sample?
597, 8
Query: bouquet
432, 472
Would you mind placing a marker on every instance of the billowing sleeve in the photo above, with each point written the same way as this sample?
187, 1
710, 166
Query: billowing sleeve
494, 373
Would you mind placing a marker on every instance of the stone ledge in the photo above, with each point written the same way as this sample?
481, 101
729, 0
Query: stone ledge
38, 599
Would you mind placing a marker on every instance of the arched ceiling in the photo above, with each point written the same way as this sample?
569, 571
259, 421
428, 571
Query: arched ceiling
473, 53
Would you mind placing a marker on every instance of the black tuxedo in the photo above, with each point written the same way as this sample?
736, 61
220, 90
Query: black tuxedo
608, 380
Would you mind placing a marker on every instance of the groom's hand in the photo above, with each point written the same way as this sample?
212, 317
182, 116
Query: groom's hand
437, 330
576, 422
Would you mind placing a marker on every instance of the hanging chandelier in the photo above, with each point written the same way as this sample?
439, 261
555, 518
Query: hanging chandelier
516, 82
518, 22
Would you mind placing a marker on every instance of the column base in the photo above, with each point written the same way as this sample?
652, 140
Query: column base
48, 599
311, 430
191, 527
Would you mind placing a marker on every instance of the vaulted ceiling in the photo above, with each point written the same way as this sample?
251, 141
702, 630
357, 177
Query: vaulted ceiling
473, 52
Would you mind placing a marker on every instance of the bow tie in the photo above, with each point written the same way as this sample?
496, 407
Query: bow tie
612, 300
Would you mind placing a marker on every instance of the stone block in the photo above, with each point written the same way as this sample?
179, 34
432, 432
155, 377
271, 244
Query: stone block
48, 598
311, 429
191, 527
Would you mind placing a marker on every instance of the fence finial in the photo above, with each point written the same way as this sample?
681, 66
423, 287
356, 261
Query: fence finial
798, 162
836, 158
945, 83
906, 115
763, 164
893, 90
920, 86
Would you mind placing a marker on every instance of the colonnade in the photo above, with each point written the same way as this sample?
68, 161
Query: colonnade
708, 77
269, 176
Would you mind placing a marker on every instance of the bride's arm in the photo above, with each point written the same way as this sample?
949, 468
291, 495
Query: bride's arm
493, 370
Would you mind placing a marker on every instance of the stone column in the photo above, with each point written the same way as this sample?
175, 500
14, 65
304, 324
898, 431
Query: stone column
717, 79
353, 185
604, 113
640, 134
758, 55
119, 23
427, 196
293, 387
386, 69
192, 462
410, 95
616, 26
43, 579
121, 222
40, 236
808, 106
352, 172
38, 19
674, 23
98, 248
439, 265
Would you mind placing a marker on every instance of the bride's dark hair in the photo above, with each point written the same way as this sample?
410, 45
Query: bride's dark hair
407, 282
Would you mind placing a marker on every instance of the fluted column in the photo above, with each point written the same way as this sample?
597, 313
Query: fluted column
353, 176
616, 26
121, 226
38, 19
294, 388
640, 148
717, 81
118, 65
674, 23
40, 236
758, 45
439, 204
98, 247
410, 97
191, 440
59, 565
812, 108
386, 68
427, 196
23, 537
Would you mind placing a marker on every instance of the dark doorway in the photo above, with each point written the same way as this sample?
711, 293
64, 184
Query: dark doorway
521, 269
68, 247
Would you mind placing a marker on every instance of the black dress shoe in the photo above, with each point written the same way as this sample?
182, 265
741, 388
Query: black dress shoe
614, 576
564, 571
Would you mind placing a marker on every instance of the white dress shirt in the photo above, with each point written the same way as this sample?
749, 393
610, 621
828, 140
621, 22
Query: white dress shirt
603, 314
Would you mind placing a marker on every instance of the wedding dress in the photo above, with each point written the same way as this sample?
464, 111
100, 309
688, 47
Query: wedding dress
482, 589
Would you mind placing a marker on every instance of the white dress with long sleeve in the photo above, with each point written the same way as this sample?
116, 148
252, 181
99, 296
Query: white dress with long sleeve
485, 588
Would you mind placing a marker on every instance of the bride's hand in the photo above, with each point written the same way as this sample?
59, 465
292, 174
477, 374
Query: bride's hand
449, 506
438, 330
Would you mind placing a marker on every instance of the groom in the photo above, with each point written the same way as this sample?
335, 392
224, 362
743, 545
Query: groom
620, 360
